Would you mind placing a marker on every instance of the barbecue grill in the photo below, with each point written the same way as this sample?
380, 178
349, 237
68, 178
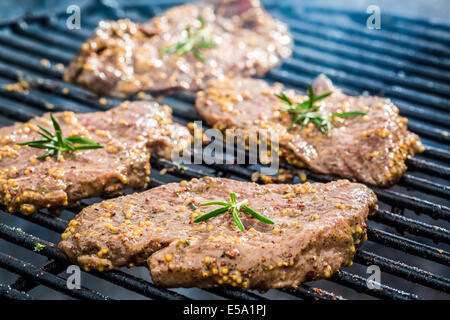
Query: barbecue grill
407, 60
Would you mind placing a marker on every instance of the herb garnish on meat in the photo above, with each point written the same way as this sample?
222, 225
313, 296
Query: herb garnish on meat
39, 247
195, 42
234, 207
55, 143
306, 111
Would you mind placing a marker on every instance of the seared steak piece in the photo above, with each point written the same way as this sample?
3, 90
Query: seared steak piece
123, 57
317, 228
129, 133
370, 148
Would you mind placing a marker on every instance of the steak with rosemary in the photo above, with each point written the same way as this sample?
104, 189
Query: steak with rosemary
370, 148
123, 58
315, 232
128, 133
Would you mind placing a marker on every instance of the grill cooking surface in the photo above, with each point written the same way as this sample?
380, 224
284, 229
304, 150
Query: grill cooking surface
407, 60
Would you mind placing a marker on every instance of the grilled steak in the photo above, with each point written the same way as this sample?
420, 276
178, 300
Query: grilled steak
317, 227
129, 133
371, 149
123, 57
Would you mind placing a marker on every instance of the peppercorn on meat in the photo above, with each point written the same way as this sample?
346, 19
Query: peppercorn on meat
315, 232
128, 134
181, 48
371, 148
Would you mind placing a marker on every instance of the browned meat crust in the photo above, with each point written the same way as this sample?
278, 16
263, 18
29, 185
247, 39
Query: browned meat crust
123, 58
129, 133
317, 227
371, 149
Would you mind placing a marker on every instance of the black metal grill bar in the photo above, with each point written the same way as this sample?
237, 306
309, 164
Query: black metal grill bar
428, 166
118, 277
363, 83
9, 293
412, 226
23, 44
404, 41
409, 246
426, 185
25, 284
31, 271
360, 284
437, 153
425, 33
359, 54
436, 134
81, 34
33, 32
235, 294
38, 102
43, 219
305, 292
325, 48
298, 28
403, 270
25, 60
422, 27
413, 203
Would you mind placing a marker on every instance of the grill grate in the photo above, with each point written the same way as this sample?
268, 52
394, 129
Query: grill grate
408, 60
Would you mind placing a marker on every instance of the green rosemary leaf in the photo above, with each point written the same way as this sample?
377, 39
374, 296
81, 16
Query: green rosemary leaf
198, 55
282, 96
211, 203
211, 214
195, 42
56, 144
348, 114
257, 215
233, 197
237, 220
306, 111
235, 208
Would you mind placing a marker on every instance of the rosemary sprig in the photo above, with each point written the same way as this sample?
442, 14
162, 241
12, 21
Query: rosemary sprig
306, 111
195, 42
55, 143
234, 207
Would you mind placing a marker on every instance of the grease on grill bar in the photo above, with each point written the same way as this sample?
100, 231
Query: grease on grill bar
412, 225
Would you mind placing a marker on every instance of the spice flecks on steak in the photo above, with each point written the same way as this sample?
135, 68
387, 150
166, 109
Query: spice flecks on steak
129, 134
370, 149
123, 57
317, 228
